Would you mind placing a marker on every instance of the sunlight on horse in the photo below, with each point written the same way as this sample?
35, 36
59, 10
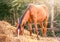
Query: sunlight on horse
37, 14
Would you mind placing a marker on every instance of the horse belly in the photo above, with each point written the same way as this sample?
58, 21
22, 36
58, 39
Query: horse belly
41, 17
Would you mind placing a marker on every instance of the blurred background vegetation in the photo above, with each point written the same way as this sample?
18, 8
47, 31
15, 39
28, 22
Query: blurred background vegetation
11, 10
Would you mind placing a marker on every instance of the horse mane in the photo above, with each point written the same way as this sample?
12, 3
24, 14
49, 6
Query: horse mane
21, 18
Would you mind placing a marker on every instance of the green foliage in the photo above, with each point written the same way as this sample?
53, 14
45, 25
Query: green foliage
57, 15
4, 11
22, 8
57, 33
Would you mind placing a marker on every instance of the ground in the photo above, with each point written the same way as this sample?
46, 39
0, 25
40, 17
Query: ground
8, 34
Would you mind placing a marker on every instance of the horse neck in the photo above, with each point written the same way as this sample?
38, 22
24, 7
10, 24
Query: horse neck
24, 17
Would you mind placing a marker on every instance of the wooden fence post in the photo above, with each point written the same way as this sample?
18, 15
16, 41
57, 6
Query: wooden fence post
52, 16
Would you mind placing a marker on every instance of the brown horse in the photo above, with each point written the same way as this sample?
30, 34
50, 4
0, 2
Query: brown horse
37, 14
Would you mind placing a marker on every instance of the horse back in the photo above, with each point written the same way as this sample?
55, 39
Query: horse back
39, 12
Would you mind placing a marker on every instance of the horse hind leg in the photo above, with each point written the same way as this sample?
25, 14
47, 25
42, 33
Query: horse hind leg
45, 27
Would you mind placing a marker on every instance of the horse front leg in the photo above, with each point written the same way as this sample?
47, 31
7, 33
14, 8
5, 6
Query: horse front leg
36, 28
30, 28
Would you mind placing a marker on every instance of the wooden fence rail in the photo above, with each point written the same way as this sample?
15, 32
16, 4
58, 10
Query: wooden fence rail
55, 29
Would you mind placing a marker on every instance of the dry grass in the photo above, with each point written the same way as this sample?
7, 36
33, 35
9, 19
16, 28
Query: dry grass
8, 34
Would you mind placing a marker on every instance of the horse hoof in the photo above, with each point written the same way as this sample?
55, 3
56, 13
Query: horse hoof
38, 38
21, 33
32, 37
44, 36
30, 34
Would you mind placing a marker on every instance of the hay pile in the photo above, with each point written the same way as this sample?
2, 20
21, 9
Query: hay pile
8, 34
